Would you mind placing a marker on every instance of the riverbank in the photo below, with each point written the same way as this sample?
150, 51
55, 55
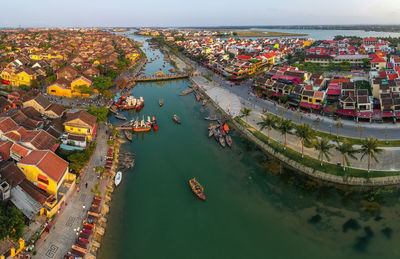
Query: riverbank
328, 172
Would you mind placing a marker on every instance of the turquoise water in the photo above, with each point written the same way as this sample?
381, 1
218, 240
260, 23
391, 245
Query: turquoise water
253, 210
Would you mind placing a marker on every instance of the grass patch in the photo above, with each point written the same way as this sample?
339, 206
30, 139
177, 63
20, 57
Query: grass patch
312, 162
209, 79
356, 141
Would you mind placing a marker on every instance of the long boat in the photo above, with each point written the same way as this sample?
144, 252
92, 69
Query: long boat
222, 141
228, 140
197, 189
161, 102
141, 127
120, 117
176, 119
186, 92
113, 109
128, 135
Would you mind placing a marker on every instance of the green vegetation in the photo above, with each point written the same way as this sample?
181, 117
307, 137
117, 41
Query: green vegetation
99, 112
285, 127
12, 221
370, 148
346, 150
323, 147
84, 89
206, 77
102, 83
364, 85
77, 159
267, 122
312, 162
245, 112
305, 133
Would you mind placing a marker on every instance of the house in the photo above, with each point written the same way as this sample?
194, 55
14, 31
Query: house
75, 140
81, 123
347, 102
7, 124
5, 147
17, 151
39, 103
68, 73
91, 72
54, 111
377, 62
323, 60
61, 87
46, 170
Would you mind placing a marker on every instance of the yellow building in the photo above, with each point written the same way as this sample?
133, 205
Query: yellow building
17, 77
46, 170
65, 88
81, 123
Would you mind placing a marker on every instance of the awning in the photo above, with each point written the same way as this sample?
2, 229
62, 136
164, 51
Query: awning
364, 114
275, 94
350, 112
310, 106
387, 114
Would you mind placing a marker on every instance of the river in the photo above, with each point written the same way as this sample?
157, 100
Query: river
253, 210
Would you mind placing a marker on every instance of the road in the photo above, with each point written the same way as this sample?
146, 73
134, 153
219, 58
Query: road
384, 131
63, 233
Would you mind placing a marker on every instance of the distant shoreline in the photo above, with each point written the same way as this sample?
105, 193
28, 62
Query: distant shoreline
250, 33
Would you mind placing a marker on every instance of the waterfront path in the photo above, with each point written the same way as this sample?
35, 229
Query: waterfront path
225, 98
384, 131
62, 235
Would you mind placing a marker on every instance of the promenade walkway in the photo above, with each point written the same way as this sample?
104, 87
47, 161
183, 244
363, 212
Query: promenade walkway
233, 103
63, 233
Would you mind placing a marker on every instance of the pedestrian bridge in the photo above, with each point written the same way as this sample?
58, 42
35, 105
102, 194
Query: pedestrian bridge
161, 78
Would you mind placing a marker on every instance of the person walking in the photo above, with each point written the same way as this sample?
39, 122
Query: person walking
86, 185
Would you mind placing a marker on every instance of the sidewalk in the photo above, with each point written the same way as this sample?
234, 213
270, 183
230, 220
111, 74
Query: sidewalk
225, 99
63, 235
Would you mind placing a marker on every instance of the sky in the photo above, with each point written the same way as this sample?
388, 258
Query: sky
134, 13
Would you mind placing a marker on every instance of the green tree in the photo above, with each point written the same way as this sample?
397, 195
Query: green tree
370, 148
346, 150
338, 125
245, 112
84, 89
112, 73
102, 83
99, 112
323, 147
268, 122
12, 222
305, 133
285, 127
366, 63
108, 94
25, 87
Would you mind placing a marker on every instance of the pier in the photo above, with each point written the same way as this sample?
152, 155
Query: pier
161, 78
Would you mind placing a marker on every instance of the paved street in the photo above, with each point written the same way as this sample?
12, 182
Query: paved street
384, 131
61, 237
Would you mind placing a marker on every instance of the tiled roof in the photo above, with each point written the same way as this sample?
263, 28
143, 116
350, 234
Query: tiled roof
48, 162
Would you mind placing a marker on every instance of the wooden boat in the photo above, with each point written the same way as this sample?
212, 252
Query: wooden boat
198, 97
186, 92
118, 178
120, 116
113, 109
197, 189
128, 135
141, 127
222, 141
210, 133
217, 134
161, 102
176, 119
228, 140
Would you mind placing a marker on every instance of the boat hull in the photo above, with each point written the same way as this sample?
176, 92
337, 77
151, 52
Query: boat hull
142, 129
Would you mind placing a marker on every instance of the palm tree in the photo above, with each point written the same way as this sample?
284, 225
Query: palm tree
370, 148
338, 125
305, 133
268, 122
285, 127
245, 112
323, 147
346, 150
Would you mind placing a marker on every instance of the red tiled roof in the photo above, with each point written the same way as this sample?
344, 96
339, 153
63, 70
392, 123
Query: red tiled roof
5, 149
6, 124
48, 162
19, 149
310, 105
347, 112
